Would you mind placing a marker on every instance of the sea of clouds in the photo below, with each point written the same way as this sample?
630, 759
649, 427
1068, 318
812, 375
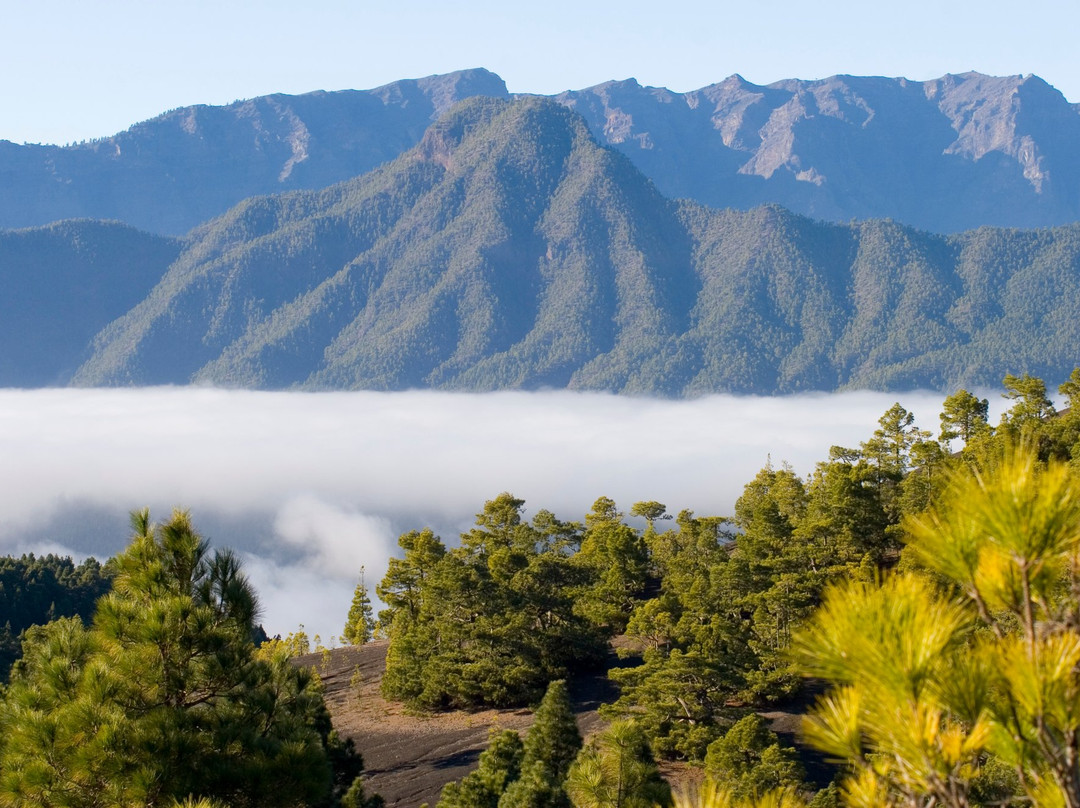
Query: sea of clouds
310, 487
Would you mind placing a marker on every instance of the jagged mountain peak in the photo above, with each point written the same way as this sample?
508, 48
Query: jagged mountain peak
441, 91
735, 80
615, 84
445, 90
172, 172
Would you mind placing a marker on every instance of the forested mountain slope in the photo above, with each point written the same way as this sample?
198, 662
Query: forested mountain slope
61, 285
510, 250
944, 155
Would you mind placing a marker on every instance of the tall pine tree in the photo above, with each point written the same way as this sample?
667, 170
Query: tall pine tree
360, 625
500, 765
550, 748
163, 698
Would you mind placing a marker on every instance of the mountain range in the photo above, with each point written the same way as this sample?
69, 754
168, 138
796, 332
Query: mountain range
945, 155
510, 249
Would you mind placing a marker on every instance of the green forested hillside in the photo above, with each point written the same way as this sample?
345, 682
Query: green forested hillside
64, 283
36, 590
790, 304
510, 250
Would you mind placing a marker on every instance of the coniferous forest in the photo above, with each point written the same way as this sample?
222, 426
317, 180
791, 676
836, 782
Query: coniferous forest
929, 596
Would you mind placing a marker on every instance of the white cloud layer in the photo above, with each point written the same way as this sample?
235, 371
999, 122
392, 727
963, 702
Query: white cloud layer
310, 487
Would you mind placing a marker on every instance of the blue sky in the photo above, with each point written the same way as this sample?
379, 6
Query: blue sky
75, 69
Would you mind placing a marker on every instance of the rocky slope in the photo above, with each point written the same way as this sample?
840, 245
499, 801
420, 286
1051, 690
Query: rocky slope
944, 155
409, 757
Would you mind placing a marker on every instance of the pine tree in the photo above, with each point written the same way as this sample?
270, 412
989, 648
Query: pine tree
162, 698
749, 760
618, 560
962, 416
500, 765
554, 739
717, 796
356, 798
534, 789
617, 770
514, 584
550, 748
360, 625
940, 689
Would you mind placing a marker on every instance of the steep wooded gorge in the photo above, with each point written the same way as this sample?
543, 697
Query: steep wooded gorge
508, 246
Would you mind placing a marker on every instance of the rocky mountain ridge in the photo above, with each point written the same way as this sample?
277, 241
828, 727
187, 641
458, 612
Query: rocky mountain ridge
945, 155
170, 173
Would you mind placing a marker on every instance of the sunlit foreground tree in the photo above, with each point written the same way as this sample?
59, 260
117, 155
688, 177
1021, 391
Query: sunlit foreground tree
617, 770
945, 681
712, 795
162, 698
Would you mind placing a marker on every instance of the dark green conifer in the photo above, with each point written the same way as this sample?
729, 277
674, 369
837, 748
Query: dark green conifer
551, 745
554, 739
618, 560
489, 622
500, 765
963, 415
163, 697
359, 625
749, 760
535, 789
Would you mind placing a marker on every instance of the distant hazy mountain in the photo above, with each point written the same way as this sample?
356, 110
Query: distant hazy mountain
62, 284
510, 250
171, 173
944, 155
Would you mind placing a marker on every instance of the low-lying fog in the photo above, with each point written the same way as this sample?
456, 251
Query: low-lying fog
310, 487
